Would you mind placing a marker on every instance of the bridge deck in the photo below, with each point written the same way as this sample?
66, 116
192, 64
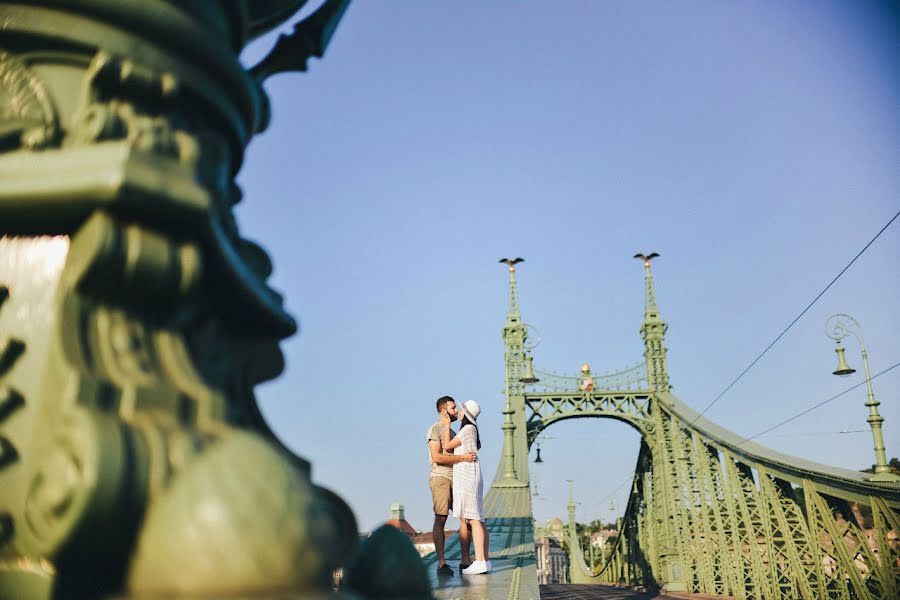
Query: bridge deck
512, 560
568, 591
514, 575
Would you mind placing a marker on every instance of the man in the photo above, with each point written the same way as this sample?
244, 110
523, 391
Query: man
440, 481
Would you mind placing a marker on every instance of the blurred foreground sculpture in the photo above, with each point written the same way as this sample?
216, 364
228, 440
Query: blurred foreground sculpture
134, 319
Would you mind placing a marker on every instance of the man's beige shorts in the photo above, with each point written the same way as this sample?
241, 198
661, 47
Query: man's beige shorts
441, 494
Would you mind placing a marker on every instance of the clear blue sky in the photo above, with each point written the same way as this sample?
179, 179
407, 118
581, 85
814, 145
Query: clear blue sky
753, 145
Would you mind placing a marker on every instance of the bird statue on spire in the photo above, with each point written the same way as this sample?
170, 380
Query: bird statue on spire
512, 262
646, 258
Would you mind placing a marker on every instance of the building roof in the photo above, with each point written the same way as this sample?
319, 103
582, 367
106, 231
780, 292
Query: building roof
426, 537
403, 525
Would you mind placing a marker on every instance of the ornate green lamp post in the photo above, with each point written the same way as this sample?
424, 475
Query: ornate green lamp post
838, 327
135, 320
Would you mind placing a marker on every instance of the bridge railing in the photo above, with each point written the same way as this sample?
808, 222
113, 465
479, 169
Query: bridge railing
843, 483
630, 378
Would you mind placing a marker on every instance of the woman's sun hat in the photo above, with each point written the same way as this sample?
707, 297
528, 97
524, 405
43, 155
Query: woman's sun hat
471, 410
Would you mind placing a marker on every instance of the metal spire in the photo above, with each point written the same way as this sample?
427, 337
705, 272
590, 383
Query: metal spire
653, 331
651, 311
512, 313
514, 340
571, 506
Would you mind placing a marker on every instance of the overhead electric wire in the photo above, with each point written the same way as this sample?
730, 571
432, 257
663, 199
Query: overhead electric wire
820, 433
612, 493
797, 318
819, 405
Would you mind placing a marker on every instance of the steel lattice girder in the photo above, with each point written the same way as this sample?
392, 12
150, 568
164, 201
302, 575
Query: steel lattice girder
548, 408
741, 524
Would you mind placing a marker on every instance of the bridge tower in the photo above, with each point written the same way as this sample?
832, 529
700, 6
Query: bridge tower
653, 332
513, 470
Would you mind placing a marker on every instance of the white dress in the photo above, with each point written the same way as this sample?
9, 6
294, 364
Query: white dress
468, 487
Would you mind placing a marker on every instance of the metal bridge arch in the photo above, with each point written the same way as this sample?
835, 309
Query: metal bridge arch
708, 511
632, 408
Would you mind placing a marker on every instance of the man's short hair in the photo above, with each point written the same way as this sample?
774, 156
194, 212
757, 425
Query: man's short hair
439, 405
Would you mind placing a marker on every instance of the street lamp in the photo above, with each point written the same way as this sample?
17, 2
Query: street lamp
538, 459
837, 327
529, 376
528, 346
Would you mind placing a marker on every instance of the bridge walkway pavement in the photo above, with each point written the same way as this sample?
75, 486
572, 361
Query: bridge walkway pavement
569, 591
514, 574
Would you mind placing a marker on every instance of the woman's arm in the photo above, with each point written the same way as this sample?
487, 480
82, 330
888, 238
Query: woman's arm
448, 443
448, 460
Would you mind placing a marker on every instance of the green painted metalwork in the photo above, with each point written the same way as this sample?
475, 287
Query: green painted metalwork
515, 335
135, 320
710, 512
838, 327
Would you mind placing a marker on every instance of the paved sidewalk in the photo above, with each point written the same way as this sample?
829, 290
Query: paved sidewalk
512, 557
569, 591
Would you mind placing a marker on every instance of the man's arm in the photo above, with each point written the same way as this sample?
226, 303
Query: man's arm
446, 460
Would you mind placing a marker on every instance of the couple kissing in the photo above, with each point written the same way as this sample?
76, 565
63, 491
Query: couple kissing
456, 484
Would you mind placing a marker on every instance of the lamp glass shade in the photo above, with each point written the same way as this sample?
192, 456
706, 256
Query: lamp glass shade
529, 376
843, 369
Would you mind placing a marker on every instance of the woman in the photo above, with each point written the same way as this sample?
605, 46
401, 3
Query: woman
468, 486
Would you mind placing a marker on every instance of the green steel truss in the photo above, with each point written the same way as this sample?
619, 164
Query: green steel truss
708, 511
546, 409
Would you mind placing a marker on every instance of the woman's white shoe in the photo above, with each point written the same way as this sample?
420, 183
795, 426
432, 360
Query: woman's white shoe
476, 568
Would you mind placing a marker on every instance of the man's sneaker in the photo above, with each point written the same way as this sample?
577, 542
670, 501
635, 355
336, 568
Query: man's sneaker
476, 568
464, 566
444, 569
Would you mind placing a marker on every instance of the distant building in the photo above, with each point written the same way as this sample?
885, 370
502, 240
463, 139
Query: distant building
556, 528
398, 520
600, 539
423, 541
552, 562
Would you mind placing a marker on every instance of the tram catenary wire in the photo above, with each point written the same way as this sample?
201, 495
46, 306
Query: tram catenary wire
615, 489
797, 318
820, 433
819, 405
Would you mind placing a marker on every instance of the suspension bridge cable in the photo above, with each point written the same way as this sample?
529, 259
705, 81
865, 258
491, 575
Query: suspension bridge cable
819, 405
797, 318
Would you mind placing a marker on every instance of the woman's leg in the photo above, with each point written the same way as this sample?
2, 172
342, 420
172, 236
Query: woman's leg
478, 535
487, 541
464, 541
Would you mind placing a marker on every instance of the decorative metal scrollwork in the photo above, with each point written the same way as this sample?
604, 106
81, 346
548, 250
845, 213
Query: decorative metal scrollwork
27, 115
840, 325
531, 333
